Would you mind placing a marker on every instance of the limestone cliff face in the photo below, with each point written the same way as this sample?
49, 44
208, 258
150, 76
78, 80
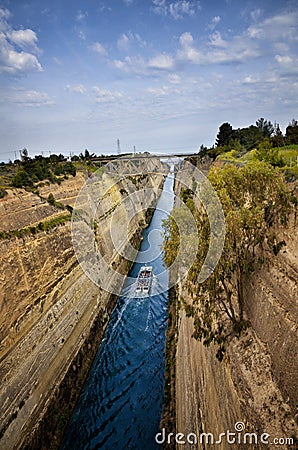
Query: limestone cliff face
271, 304
21, 208
257, 383
52, 315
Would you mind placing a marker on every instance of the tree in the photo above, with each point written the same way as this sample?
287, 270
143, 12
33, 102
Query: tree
2, 192
70, 168
249, 137
254, 198
292, 132
21, 179
265, 127
87, 155
224, 135
266, 152
51, 199
277, 138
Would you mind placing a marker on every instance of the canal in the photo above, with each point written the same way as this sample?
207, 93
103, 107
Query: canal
121, 403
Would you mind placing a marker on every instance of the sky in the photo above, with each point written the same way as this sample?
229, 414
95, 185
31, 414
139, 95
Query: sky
160, 75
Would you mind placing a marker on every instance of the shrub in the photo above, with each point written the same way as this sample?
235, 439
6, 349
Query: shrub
2, 192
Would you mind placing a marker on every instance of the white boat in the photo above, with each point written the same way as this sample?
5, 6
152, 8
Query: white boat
144, 280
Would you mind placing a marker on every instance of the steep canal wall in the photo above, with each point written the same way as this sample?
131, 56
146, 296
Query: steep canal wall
52, 315
256, 383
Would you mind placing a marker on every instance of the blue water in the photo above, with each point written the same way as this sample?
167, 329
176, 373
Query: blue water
121, 402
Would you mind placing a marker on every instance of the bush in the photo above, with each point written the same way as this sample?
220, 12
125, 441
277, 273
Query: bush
2, 192
51, 199
42, 226
40, 168
53, 202
254, 198
21, 179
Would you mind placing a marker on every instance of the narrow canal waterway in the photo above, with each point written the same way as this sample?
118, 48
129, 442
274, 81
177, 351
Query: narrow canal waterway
121, 403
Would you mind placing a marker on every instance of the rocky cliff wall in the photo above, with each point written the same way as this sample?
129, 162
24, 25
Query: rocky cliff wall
271, 305
257, 382
21, 208
52, 315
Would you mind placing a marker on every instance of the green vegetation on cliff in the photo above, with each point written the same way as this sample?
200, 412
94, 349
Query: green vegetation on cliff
32, 170
45, 225
255, 201
31, 173
262, 141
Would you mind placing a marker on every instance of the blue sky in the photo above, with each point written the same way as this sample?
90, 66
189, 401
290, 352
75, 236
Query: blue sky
158, 74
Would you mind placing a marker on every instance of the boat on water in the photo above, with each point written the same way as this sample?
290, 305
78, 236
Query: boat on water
144, 280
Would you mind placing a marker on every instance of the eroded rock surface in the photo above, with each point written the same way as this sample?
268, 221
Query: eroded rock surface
51, 312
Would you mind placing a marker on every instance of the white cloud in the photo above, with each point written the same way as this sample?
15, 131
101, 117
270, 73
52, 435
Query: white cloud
11, 59
161, 62
97, 47
217, 50
138, 66
281, 47
280, 26
4, 16
123, 43
23, 38
57, 61
160, 7
174, 78
30, 98
81, 16
130, 64
158, 91
217, 41
187, 51
119, 64
215, 20
127, 39
177, 9
186, 39
78, 88
237, 50
13, 62
255, 14
191, 55
283, 59
250, 80
287, 65
105, 95
82, 35
128, 2
238, 53
139, 40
